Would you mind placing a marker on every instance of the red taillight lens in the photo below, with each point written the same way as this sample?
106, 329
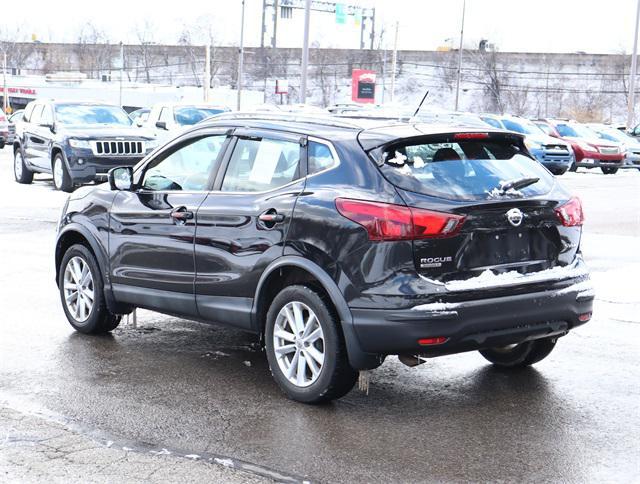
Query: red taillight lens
460, 136
570, 213
2, 118
438, 340
386, 221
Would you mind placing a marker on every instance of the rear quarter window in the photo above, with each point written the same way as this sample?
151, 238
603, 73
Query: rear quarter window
464, 170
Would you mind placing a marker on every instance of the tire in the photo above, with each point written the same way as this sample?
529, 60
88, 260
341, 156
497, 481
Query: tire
573, 167
333, 376
95, 319
2, 144
521, 355
61, 178
609, 171
21, 173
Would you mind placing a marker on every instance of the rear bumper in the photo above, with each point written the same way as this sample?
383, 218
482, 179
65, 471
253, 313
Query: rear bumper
475, 324
599, 160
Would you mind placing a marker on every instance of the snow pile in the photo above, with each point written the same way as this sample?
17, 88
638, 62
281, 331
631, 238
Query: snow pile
435, 307
489, 279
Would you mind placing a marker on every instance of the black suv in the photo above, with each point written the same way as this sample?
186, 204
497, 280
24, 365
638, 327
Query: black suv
76, 142
338, 242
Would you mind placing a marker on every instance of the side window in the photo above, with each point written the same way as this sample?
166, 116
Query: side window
492, 122
47, 115
259, 165
27, 112
188, 168
35, 115
320, 157
165, 115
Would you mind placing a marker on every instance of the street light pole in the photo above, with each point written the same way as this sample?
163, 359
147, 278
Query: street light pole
305, 52
464, 4
634, 69
241, 57
121, 70
394, 64
5, 93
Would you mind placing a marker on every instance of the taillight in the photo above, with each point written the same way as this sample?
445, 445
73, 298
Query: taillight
460, 136
570, 213
386, 221
3, 118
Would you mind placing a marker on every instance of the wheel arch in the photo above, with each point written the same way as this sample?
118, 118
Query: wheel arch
75, 233
288, 270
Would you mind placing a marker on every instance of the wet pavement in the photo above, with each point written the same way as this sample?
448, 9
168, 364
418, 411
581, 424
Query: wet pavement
206, 391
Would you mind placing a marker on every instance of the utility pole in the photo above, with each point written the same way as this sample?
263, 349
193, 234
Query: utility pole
464, 4
394, 63
241, 58
207, 72
634, 70
305, 52
121, 70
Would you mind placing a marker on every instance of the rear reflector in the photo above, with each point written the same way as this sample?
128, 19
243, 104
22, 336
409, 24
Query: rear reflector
438, 340
386, 221
570, 213
584, 317
470, 136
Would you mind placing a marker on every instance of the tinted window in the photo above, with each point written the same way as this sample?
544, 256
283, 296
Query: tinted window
28, 110
84, 114
320, 157
35, 115
261, 164
47, 115
466, 170
493, 122
187, 168
189, 115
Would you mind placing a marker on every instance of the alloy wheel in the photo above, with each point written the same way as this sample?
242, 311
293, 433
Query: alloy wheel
298, 343
17, 164
58, 174
78, 289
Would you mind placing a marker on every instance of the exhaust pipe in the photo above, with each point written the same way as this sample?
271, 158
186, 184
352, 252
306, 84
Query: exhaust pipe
412, 360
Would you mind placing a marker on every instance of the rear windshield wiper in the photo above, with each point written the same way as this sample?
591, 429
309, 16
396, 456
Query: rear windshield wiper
516, 184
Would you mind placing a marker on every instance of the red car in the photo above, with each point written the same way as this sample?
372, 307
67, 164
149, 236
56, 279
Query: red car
590, 150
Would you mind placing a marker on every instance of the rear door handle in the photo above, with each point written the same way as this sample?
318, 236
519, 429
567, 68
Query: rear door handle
181, 214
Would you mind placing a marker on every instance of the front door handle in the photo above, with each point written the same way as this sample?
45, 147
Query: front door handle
271, 217
181, 214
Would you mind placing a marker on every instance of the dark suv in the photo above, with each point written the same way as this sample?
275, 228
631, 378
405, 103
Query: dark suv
76, 142
339, 243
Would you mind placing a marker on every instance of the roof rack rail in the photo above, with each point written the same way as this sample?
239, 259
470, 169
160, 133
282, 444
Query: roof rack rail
327, 120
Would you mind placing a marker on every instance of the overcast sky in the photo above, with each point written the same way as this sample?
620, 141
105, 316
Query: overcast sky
593, 26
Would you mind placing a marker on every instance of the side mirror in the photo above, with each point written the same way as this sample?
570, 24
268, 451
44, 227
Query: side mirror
50, 126
139, 123
161, 124
120, 178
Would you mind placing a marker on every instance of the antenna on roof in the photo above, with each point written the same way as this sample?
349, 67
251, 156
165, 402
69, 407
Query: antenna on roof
421, 102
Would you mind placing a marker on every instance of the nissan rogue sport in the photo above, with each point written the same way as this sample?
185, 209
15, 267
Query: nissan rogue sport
339, 243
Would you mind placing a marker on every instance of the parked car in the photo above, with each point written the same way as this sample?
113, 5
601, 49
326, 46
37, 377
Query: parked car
76, 142
7, 130
16, 116
338, 244
139, 116
556, 155
454, 118
589, 149
630, 144
167, 120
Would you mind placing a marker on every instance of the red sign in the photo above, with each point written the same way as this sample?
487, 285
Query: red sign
282, 86
363, 86
19, 90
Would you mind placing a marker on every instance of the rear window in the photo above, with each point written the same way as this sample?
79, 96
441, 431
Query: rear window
464, 170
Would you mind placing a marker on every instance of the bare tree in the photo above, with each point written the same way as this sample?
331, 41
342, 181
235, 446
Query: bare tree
93, 51
146, 50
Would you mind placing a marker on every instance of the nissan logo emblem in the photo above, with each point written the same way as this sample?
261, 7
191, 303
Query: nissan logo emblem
515, 216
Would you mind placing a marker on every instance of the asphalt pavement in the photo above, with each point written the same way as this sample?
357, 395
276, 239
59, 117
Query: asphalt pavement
178, 400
